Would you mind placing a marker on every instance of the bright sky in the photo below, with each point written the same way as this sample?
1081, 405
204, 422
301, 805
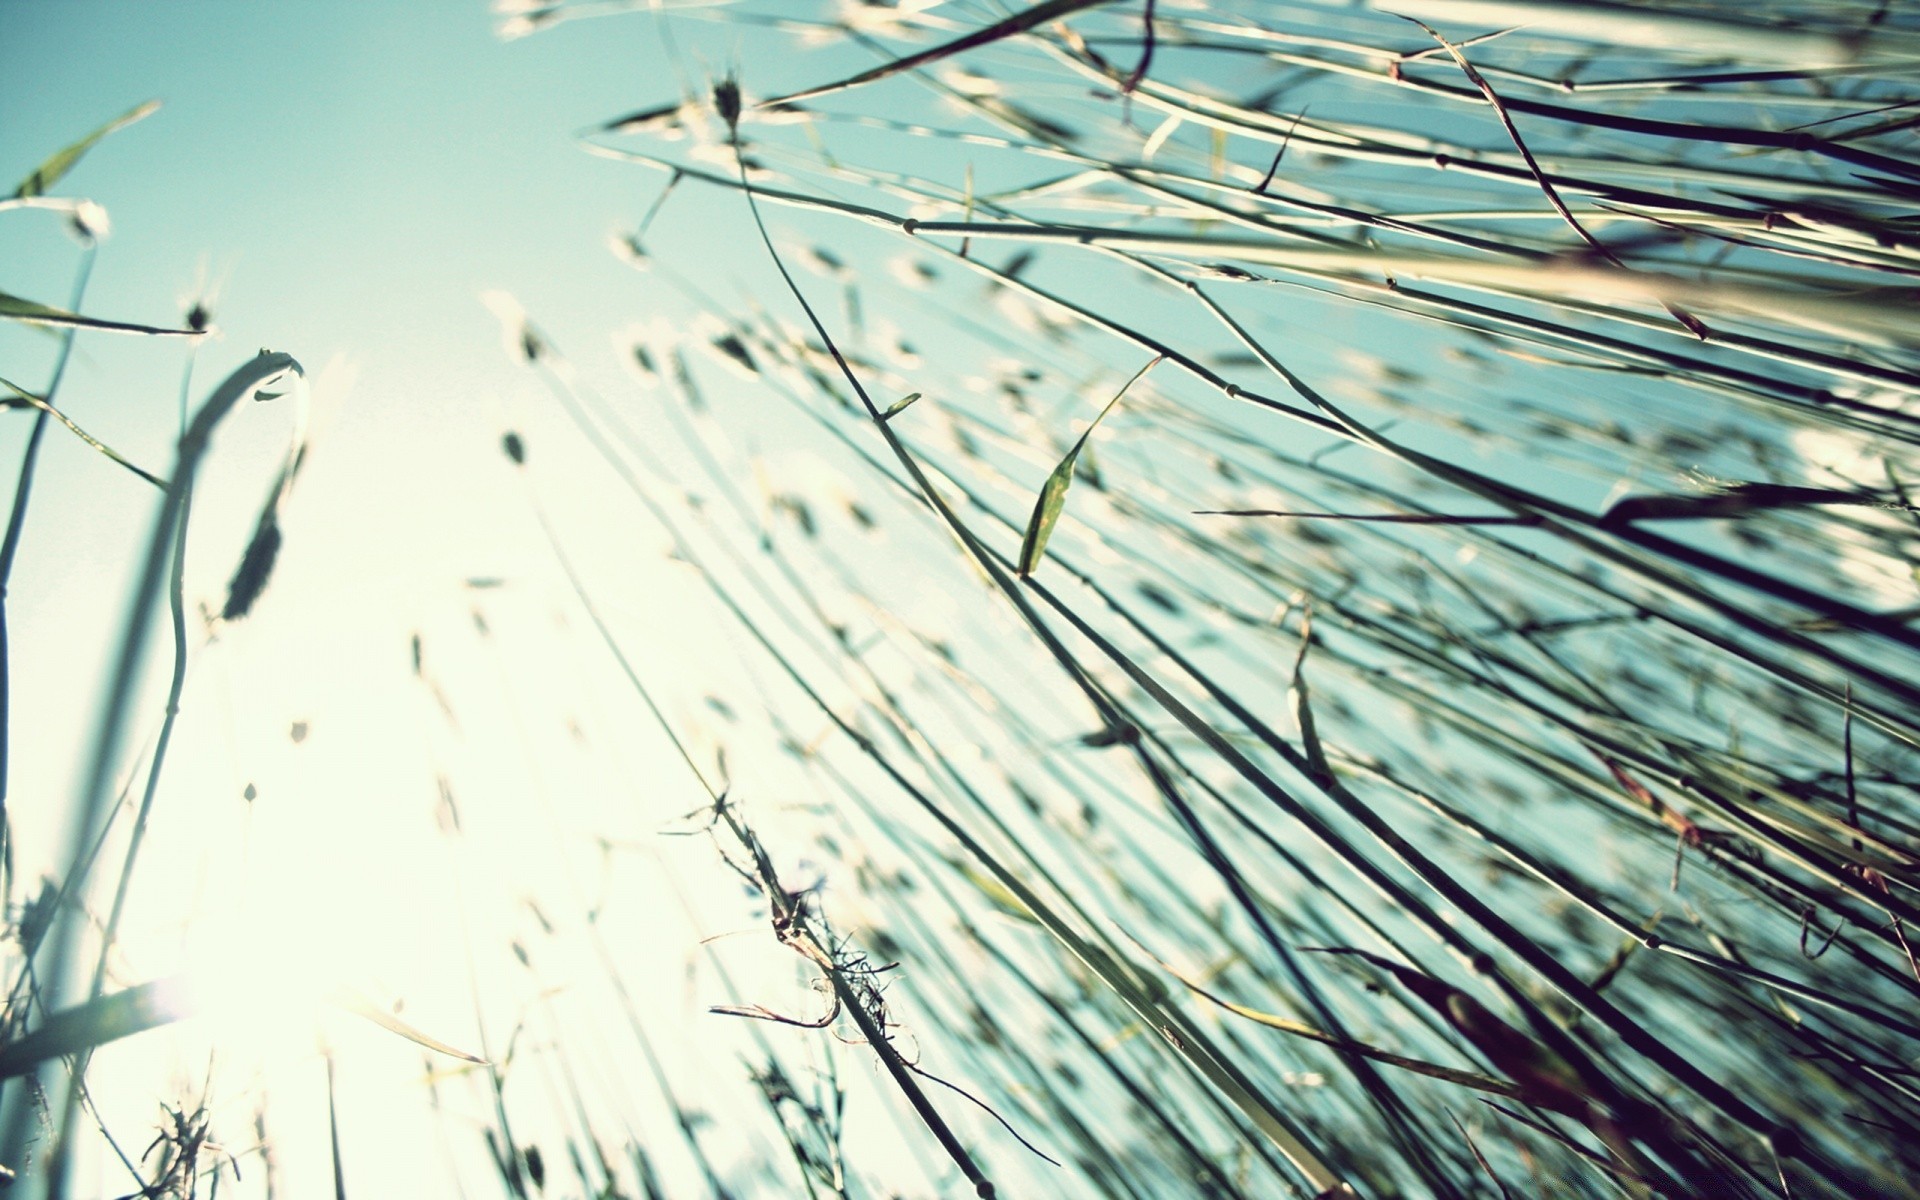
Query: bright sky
342, 182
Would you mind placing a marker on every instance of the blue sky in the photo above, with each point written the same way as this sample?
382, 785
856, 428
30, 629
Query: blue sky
345, 180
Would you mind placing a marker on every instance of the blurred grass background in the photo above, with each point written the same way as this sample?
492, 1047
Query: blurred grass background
1446, 731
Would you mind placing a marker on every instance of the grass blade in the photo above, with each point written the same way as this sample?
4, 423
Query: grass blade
1053, 494
104, 1019
56, 166
13, 308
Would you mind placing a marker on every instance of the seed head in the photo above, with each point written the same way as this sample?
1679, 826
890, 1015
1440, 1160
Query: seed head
250, 579
726, 99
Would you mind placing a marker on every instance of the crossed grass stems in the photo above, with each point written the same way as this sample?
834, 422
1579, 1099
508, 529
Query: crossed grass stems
1489, 659
1761, 328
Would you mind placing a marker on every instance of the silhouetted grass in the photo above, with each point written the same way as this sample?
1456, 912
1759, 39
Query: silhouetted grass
1577, 348
1313, 600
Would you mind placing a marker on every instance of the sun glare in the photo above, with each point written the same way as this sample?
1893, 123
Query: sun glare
1226, 599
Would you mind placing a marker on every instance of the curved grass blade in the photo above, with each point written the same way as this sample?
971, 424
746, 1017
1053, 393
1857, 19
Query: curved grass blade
1472, 1079
360, 1006
1053, 494
22, 398
57, 165
1544, 1078
99, 1021
1547, 189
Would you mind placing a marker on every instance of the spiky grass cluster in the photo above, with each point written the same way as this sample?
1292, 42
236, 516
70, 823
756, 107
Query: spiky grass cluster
1538, 380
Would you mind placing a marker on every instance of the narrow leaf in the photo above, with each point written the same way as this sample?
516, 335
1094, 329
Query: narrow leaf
1733, 502
23, 398
360, 1006
50, 172
899, 406
1053, 494
1545, 1079
13, 308
997, 893
1471, 1079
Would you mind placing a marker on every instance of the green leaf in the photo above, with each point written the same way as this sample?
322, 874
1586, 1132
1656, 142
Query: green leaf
1472, 1079
22, 398
899, 406
1001, 896
1543, 1077
104, 1019
50, 172
13, 308
1053, 494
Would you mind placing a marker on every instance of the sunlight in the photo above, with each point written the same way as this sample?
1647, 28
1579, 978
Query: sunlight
758, 706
